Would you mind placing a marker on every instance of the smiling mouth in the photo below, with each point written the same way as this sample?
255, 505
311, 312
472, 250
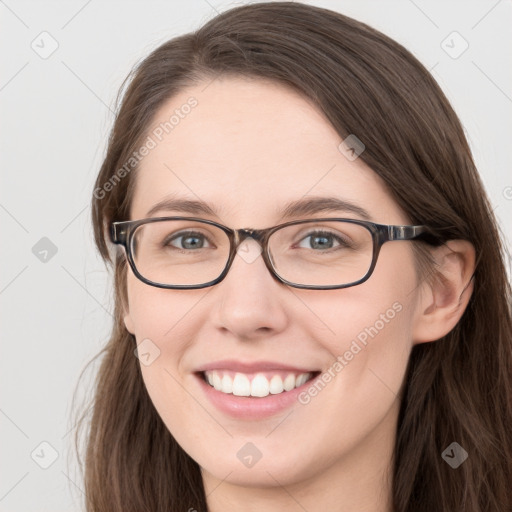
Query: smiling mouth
258, 385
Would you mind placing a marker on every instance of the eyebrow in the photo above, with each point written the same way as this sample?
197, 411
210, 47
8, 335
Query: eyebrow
308, 205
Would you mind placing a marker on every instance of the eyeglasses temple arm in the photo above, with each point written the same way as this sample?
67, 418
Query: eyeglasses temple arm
407, 232
118, 233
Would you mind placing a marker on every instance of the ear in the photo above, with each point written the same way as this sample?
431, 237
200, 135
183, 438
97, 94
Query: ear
128, 323
444, 297
127, 318
124, 268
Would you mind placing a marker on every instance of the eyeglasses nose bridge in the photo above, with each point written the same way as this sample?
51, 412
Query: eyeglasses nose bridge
260, 236
241, 234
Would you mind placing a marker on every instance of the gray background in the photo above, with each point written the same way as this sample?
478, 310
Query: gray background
56, 111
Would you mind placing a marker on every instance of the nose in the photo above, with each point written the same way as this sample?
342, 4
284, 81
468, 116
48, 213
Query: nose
250, 302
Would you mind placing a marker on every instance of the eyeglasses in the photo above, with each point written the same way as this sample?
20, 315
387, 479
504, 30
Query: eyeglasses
318, 254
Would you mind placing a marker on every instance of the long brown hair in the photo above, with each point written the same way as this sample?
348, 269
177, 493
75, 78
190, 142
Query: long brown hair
456, 389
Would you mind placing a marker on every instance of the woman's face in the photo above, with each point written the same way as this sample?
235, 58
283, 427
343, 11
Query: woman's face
247, 149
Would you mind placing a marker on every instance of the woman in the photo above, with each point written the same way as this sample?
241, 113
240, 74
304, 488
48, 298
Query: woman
312, 309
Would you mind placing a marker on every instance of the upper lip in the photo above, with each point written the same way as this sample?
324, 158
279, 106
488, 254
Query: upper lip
252, 367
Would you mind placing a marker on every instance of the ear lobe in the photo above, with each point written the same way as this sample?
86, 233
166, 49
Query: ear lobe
445, 297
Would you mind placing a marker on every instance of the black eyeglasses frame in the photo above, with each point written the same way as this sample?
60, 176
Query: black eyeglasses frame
122, 233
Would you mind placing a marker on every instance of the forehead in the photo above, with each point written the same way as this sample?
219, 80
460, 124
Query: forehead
248, 146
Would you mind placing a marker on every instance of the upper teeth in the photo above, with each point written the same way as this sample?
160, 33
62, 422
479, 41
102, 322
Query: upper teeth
259, 386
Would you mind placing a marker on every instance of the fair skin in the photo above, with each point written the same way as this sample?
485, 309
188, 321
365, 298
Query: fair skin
247, 149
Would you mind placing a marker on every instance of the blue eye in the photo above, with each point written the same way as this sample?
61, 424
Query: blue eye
323, 240
189, 240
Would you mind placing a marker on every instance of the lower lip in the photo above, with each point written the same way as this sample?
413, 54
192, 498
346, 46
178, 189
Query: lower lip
251, 408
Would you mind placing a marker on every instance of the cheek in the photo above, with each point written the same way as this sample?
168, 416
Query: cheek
370, 327
359, 389
374, 354
370, 346
165, 325
160, 314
